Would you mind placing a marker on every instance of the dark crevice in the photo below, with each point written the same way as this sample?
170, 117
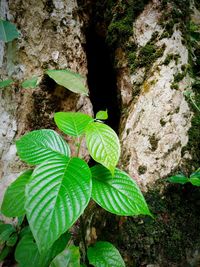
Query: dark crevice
102, 77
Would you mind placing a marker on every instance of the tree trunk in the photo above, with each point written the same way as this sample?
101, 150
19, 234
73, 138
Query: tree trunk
142, 62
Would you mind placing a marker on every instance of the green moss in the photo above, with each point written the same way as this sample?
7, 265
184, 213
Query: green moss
153, 142
174, 86
165, 240
162, 122
146, 56
121, 15
168, 59
142, 169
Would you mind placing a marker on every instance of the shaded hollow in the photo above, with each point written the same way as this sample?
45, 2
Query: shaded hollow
102, 77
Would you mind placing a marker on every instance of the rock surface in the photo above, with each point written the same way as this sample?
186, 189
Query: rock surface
51, 38
155, 124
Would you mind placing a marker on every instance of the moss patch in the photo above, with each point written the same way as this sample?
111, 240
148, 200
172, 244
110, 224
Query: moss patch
165, 240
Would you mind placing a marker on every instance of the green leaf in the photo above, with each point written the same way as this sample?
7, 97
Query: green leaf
30, 83
12, 240
57, 194
70, 80
4, 252
178, 179
5, 232
41, 145
8, 31
72, 123
14, 199
102, 115
27, 253
103, 144
104, 254
195, 178
5, 83
70, 257
118, 194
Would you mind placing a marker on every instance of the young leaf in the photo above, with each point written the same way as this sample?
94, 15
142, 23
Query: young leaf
27, 253
14, 199
12, 240
70, 257
104, 254
30, 83
5, 232
178, 179
5, 83
4, 252
102, 115
195, 178
70, 80
41, 145
118, 194
103, 144
57, 194
8, 31
72, 123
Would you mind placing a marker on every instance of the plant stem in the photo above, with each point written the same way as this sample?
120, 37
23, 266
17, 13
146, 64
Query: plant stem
82, 228
79, 145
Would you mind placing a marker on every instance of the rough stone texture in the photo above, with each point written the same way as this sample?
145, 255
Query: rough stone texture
51, 38
156, 121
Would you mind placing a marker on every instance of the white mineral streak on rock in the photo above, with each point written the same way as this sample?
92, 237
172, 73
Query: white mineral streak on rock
155, 128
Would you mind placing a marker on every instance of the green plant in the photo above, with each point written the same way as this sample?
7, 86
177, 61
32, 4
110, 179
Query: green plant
8, 31
194, 178
55, 194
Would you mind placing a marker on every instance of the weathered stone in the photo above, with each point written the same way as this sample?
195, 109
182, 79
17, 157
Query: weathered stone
51, 38
154, 128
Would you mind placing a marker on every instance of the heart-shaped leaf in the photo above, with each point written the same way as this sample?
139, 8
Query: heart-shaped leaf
72, 123
30, 83
70, 257
5, 232
57, 194
102, 115
41, 145
104, 254
8, 31
70, 80
14, 199
27, 253
103, 144
118, 194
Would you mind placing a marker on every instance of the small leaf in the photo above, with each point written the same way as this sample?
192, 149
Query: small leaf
41, 145
12, 240
4, 252
14, 199
72, 123
178, 179
70, 80
104, 254
102, 115
27, 253
70, 257
103, 144
5, 231
8, 31
5, 83
30, 83
57, 194
118, 194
